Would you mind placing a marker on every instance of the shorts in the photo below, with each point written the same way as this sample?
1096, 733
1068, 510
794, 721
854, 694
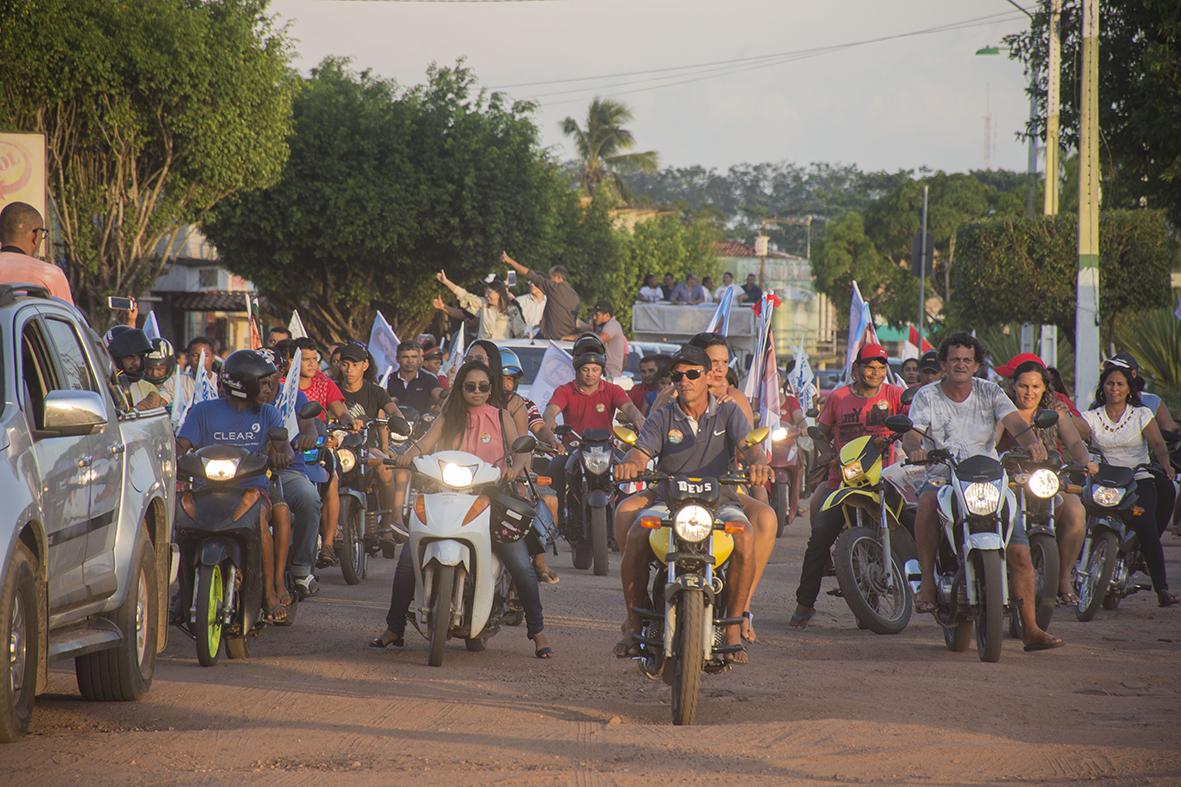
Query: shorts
1019, 536
726, 512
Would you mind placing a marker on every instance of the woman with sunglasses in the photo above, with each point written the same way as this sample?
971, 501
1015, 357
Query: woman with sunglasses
472, 422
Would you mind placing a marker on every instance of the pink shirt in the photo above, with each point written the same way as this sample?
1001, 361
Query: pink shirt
17, 268
483, 436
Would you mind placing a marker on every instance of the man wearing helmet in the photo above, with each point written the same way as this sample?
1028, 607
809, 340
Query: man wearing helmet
586, 402
128, 348
157, 386
238, 418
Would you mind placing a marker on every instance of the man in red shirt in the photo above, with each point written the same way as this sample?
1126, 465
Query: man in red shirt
587, 402
850, 412
649, 371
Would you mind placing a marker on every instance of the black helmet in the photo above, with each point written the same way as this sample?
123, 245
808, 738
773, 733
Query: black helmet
161, 355
588, 343
114, 331
583, 359
132, 341
242, 372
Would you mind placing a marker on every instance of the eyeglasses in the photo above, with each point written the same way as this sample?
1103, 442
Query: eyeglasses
692, 374
44, 233
483, 387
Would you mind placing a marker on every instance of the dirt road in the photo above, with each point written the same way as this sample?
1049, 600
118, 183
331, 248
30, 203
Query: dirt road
828, 704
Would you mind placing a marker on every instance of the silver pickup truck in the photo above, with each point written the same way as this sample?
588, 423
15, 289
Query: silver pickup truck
88, 492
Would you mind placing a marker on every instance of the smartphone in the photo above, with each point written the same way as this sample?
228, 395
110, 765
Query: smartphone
511, 278
123, 304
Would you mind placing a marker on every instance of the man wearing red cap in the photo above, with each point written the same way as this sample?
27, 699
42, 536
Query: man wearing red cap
857, 409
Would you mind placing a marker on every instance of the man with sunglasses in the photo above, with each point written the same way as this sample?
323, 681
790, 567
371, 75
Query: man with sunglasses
694, 434
855, 410
22, 231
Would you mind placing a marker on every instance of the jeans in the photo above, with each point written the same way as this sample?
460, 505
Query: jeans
304, 500
1166, 496
515, 557
1146, 528
562, 468
825, 531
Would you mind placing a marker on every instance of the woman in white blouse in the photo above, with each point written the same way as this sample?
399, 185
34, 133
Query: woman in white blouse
1124, 430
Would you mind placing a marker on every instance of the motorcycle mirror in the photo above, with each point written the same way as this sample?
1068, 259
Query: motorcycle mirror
563, 429
310, 410
908, 396
399, 425
524, 444
277, 434
756, 436
899, 424
624, 435
816, 433
1044, 419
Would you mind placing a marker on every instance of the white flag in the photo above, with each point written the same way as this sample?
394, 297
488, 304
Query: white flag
385, 376
296, 326
288, 396
557, 368
180, 403
151, 328
803, 379
205, 384
454, 356
383, 344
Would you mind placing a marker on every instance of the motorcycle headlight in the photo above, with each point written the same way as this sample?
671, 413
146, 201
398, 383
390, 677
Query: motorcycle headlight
1107, 496
852, 471
347, 460
693, 524
338, 436
982, 498
457, 476
220, 469
597, 460
778, 433
1043, 483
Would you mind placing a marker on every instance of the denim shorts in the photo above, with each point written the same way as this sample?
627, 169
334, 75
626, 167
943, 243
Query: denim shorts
726, 512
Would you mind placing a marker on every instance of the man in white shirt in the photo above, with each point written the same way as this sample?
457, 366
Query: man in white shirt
532, 306
727, 284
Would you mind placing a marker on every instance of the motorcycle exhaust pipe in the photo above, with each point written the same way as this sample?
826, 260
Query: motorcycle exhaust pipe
914, 575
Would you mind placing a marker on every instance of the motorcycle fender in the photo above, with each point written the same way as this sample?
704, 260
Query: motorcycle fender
215, 551
447, 552
1014, 511
985, 542
845, 492
361, 498
598, 498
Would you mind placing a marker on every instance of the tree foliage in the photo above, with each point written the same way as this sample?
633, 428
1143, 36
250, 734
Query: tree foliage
603, 146
154, 111
1024, 270
1139, 90
387, 184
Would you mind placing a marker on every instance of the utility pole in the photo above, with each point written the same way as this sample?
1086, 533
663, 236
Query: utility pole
923, 272
1086, 326
1053, 70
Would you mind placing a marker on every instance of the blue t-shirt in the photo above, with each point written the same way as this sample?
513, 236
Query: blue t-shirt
216, 422
315, 472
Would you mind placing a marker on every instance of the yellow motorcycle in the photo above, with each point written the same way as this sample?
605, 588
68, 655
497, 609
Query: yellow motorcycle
877, 523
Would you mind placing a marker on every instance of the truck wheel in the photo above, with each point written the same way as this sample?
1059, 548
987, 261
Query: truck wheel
125, 673
21, 636
211, 593
599, 540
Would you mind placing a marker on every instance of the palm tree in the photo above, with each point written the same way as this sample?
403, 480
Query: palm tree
601, 146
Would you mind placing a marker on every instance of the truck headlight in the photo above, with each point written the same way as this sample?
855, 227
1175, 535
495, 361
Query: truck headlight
1107, 496
1043, 483
220, 469
693, 524
982, 498
597, 460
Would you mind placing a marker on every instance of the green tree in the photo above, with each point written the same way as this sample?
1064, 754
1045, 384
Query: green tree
848, 254
154, 111
387, 184
603, 144
1140, 96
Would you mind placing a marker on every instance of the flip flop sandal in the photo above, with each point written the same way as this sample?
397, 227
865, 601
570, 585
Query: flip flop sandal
1067, 600
381, 642
1050, 644
750, 618
736, 656
276, 615
1167, 600
544, 653
924, 607
626, 648
800, 619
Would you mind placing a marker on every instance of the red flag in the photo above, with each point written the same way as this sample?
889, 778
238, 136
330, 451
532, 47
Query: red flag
920, 342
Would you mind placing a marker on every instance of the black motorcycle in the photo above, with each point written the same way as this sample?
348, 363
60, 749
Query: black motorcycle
356, 535
217, 527
590, 492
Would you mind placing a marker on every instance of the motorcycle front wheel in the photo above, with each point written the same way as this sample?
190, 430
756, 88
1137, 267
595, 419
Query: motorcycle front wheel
1093, 587
690, 636
1043, 551
441, 613
861, 573
599, 541
958, 638
990, 608
351, 551
211, 593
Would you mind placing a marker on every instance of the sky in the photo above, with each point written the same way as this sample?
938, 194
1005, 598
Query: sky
904, 103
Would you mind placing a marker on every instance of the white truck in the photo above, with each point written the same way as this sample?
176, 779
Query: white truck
88, 490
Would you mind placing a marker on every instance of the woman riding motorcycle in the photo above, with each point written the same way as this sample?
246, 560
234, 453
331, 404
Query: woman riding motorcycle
472, 420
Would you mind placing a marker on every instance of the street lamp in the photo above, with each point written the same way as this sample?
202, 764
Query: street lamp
1032, 163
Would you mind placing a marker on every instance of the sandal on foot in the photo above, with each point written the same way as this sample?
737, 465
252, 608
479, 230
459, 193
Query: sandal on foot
922, 606
1045, 644
382, 642
547, 576
749, 624
1166, 599
327, 559
801, 616
626, 648
736, 656
276, 615
1067, 599
544, 653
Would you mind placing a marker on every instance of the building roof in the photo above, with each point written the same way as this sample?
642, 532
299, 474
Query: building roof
215, 301
735, 248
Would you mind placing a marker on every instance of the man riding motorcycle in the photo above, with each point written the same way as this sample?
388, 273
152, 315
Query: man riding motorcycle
156, 388
694, 434
852, 411
960, 414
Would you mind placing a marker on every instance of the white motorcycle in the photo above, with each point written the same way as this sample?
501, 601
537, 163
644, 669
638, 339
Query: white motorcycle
460, 584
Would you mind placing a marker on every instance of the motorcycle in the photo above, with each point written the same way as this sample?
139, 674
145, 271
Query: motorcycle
217, 527
590, 494
684, 634
878, 522
460, 583
977, 513
355, 541
1111, 549
1036, 485
785, 466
